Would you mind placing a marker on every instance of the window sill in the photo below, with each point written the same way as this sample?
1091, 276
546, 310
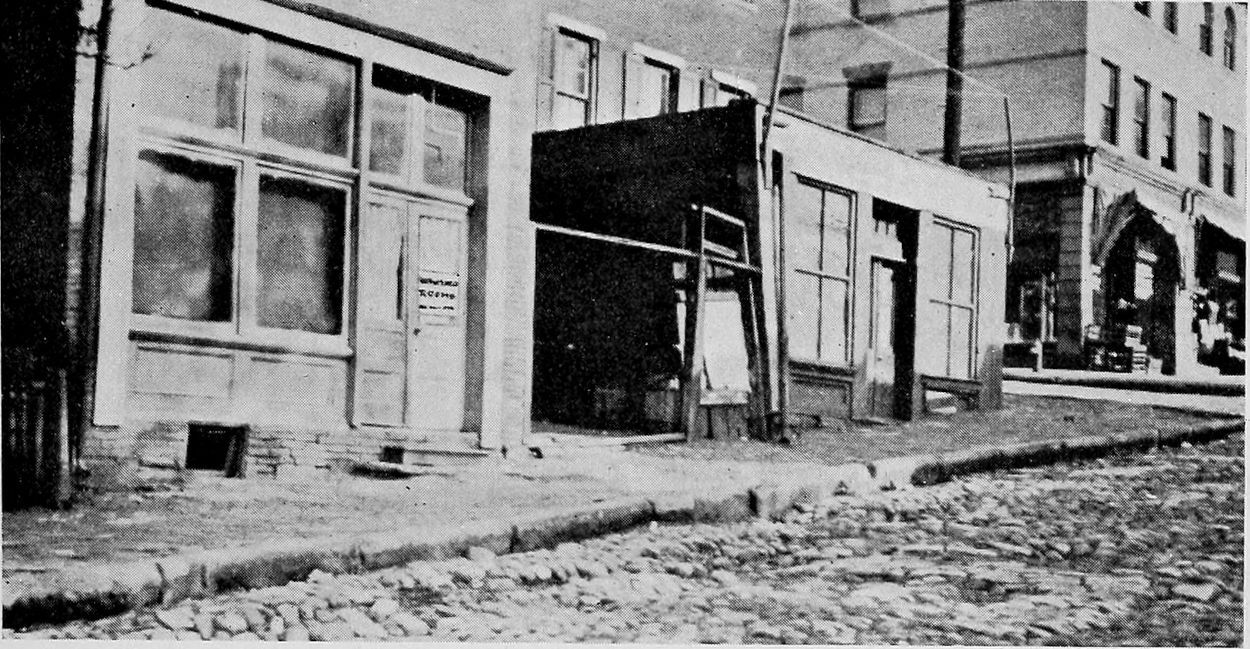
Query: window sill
821, 369
159, 331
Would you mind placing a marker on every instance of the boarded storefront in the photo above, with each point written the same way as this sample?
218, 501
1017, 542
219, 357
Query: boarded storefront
893, 274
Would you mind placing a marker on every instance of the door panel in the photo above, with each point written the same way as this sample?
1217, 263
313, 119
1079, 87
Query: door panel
436, 317
381, 345
881, 339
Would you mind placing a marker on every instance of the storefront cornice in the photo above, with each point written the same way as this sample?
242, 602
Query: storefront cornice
390, 33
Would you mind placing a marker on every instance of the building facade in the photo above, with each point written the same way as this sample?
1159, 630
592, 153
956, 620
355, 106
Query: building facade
286, 235
1129, 129
270, 237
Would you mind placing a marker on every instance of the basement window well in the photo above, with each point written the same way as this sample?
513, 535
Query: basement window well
212, 447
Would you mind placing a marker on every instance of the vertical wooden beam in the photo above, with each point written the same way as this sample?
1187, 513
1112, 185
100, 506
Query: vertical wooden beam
696, 306
64, 477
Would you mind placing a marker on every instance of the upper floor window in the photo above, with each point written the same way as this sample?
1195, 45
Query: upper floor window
1206, 28
867, 100
868, 106
653, 83
1230, 161
1142, 8
657, 89
1204, 149
1170, 22
1141, 117
719, 89
818, 238
574, 71
1111, 103
1167, 119
1230, 39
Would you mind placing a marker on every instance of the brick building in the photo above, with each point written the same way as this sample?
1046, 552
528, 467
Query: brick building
1130, 126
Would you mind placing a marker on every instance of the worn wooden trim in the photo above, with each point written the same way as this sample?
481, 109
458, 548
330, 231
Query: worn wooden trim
390, 33
607, 238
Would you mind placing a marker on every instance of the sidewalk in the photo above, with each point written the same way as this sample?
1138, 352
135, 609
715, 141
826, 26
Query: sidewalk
1214, 385
132, 550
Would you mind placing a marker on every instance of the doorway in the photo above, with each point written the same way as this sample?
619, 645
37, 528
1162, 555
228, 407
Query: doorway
883, 337
411, 336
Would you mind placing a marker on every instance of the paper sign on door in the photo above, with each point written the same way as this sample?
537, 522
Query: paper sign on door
438, 295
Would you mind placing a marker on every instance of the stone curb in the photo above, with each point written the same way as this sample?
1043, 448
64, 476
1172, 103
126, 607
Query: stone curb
1126, 382
103, 590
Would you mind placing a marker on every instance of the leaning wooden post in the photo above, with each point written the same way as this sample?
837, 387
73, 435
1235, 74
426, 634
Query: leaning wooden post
692, 390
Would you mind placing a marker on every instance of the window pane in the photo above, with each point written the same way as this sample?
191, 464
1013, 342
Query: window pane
803, 227
184, 238
961, 343
803, 302
655, 91
836, 255
382, 264
569, 112
308, 99
446, 142
300, 255
833, 321
941, 242
964, 263
573, 65
388, 142
195, 71
868, 105
440, 246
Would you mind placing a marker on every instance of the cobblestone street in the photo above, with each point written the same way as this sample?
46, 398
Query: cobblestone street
1139, 549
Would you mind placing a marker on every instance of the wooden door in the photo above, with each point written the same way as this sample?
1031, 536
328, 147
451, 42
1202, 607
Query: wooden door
436, 317
381, 342
882, 339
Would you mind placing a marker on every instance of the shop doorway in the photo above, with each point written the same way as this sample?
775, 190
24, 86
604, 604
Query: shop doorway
411, 336
1142, 283
882, 336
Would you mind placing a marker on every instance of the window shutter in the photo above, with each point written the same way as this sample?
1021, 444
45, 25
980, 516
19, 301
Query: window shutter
546, 78
688, 89
707, 92
633, 72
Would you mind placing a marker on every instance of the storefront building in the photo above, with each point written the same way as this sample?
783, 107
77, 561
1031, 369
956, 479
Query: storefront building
659, 269
288, 233
1129, 131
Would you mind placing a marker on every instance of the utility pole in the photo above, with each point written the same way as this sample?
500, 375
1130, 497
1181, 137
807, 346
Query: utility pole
954, 82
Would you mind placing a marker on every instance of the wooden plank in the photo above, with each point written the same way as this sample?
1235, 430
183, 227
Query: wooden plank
692, 373
607, 238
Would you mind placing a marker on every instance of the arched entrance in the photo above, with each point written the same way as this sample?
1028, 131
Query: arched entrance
1142, 272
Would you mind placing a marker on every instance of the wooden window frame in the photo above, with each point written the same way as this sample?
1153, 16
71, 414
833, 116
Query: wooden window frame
252, 155
845, 279
1230, 39
1168, 130
590, 97
1229, 137
1206, 30
637, 59
1110, 125
1141, 117
853, 89
949, 303
1170, 17
1204, 148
